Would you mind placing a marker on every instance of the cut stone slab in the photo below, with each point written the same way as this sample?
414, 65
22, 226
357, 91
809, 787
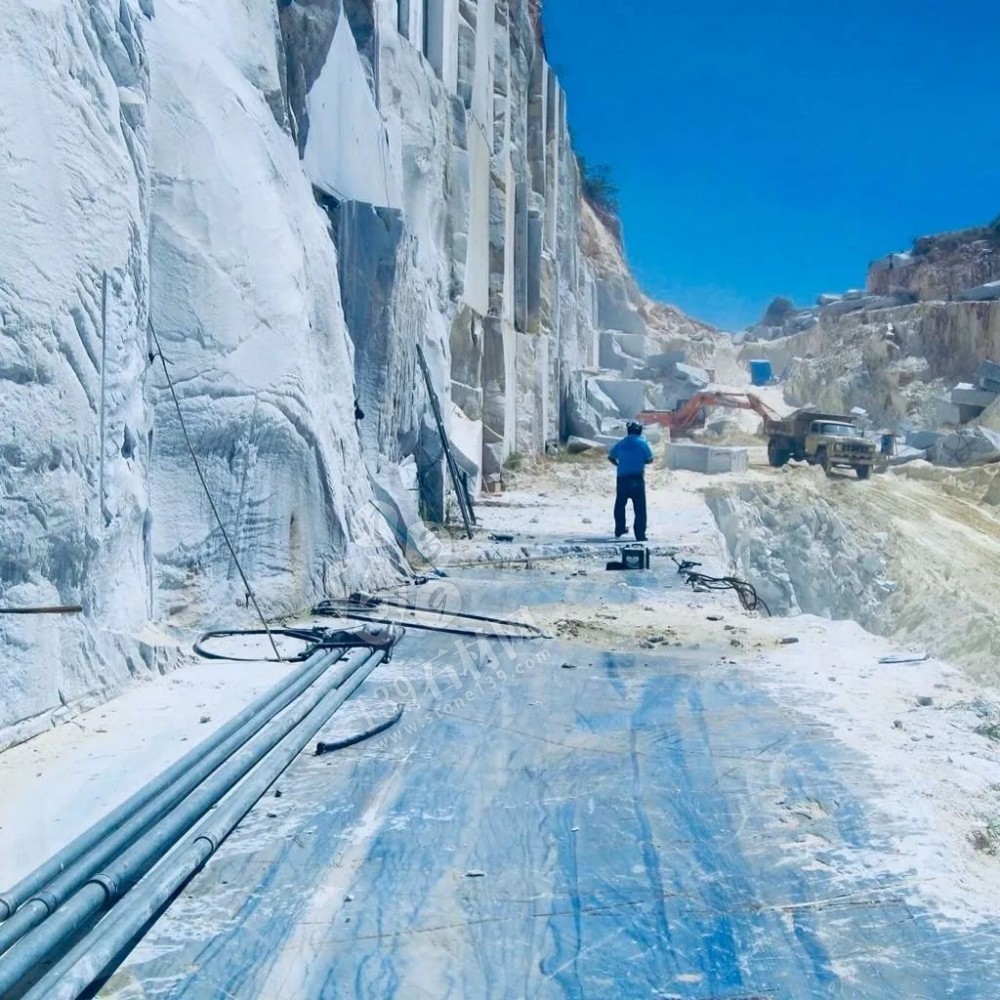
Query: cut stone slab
578, 445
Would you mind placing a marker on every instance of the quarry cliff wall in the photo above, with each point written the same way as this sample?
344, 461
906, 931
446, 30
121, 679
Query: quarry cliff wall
928, 318
280, 199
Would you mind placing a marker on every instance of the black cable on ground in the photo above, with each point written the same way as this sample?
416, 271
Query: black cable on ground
746, 592
367, 600
360, 607
225, 534
442, 629
350, 741
316, 638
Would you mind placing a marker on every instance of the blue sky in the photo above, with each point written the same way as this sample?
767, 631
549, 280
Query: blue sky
774, 148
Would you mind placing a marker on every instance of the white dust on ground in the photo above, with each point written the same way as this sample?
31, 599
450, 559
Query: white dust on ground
913, 723
937, 780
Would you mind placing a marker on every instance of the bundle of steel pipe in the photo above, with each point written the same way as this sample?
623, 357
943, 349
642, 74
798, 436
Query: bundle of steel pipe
159, 819
259, 712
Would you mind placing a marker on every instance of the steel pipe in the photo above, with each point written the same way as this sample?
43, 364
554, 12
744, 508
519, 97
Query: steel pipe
43, 902
44, 873
85, 963
108, 885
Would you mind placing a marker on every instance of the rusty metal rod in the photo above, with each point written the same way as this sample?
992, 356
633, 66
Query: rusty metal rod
59, 609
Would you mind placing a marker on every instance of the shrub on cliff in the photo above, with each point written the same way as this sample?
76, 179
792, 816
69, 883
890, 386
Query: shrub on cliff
598, 186
601, 193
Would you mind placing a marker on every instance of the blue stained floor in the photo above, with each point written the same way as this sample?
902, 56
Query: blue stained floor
634, 827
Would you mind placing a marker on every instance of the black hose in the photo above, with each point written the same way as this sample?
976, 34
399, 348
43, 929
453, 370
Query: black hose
424, 627
349, 741
746, 592
356, 609
316, 638
374, 602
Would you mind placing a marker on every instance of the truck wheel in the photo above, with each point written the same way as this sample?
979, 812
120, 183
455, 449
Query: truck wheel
863, 471
822, 458
777, 456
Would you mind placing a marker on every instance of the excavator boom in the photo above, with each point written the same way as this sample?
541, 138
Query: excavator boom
691, 413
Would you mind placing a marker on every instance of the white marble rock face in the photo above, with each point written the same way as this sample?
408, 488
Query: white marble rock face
292, 195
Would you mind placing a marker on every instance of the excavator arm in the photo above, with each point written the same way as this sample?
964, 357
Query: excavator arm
691, 413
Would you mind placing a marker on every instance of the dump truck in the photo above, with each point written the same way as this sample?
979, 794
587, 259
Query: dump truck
827, 439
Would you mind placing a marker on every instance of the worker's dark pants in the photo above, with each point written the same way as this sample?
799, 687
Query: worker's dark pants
631, 488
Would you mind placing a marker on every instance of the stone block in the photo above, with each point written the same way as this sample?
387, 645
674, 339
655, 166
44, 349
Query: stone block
969, 413
706, 459
947, 413
344, 152
628, 395
466, 439
665, 363
981, 293
581, 418
723, 460
969, 396
968, 446
621, 351
396, 496
468, 399
906, 453
615, 310
696, 378
602, 403
988, 376
922, 439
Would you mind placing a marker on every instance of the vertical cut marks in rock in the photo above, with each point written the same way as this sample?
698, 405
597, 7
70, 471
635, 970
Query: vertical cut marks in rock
307, 30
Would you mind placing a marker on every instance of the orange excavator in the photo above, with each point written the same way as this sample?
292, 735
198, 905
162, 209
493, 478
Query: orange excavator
690, 415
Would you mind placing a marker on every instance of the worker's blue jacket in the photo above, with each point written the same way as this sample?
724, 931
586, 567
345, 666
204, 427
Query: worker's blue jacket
632, 454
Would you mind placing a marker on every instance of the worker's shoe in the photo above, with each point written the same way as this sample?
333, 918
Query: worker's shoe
620, 534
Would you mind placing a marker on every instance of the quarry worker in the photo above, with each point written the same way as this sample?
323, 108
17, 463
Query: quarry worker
631, 455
